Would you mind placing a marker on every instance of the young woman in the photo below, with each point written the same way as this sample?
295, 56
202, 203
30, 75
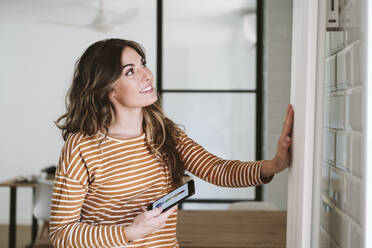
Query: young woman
122, 153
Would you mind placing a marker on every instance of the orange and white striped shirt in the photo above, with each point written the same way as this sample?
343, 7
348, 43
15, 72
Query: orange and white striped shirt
98, 190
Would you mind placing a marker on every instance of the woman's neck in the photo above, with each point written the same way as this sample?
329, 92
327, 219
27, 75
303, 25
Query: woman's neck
127, 123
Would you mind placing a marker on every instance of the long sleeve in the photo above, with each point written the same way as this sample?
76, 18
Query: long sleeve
69, 192
221, 172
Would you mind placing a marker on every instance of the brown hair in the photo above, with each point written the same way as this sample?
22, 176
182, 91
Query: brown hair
89, 109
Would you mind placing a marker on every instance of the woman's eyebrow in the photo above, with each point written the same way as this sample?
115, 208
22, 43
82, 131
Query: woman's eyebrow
127, 65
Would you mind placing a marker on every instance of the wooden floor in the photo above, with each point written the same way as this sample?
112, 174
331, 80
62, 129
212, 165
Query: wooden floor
232, 229
23, 239
207, 229
23, 236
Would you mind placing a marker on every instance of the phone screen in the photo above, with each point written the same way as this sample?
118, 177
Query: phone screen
173, 197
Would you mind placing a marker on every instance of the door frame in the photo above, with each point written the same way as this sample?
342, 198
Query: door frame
307, 77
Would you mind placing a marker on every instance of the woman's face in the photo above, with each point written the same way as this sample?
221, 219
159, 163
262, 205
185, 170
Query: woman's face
134, 88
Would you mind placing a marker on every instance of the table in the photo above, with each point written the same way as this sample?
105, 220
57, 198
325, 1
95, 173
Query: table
231, 229
13, 185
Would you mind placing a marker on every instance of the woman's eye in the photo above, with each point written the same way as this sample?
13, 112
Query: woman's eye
129, 72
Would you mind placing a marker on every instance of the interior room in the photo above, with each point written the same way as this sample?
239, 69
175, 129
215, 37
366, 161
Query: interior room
225, 72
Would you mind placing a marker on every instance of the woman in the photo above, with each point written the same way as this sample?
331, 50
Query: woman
122, 153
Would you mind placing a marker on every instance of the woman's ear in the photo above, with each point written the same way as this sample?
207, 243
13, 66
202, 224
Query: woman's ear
111, 95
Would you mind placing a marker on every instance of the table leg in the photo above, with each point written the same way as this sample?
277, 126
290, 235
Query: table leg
34, 221
12, 220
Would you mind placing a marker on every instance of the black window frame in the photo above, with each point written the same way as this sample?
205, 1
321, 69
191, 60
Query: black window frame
257, 91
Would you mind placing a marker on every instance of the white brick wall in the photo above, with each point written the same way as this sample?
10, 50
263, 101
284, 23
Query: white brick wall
343, 166
277, 80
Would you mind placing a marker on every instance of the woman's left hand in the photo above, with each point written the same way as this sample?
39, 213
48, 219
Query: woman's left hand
283, 152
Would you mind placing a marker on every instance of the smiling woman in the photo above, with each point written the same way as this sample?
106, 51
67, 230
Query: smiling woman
122, 153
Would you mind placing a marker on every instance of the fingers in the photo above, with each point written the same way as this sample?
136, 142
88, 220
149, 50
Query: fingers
171, 210
174, 208
151, 220
288, 123
164, 216
285, 139
286, 117
152, 213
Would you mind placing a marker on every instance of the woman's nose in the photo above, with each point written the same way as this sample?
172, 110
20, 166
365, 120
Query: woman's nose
147, 74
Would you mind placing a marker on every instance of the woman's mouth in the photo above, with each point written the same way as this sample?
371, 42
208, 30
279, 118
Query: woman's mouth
148, 89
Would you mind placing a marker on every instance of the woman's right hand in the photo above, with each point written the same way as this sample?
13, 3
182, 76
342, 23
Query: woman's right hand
147, 222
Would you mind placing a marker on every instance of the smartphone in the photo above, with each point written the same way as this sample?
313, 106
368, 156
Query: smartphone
176, 196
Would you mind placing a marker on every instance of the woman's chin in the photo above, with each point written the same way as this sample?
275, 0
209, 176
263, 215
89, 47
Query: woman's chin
152, 101
155, 98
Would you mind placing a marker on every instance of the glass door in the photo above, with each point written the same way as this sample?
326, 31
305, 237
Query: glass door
209, 83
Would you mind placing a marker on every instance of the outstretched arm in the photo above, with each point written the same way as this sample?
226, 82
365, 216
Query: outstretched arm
235, 173
218, 171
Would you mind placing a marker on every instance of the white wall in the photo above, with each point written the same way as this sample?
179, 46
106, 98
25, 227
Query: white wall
368, 121
343, 166
36, 67
277, 81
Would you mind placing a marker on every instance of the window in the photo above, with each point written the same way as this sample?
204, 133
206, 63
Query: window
207, 55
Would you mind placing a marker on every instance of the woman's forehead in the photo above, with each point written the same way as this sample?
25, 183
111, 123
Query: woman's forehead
129, 55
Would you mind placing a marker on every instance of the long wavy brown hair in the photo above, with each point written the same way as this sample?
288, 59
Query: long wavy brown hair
89, 110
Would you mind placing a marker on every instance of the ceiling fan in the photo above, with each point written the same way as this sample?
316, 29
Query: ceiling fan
103, 20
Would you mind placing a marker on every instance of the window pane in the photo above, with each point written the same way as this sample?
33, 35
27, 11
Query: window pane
209, 44
224, 124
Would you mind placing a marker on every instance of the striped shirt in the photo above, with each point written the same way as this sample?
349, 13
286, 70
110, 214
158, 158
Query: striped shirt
101, 184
